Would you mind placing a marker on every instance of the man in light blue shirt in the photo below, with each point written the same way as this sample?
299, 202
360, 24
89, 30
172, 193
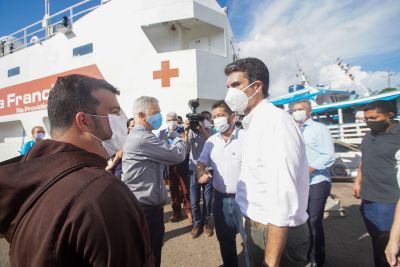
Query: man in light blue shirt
320, 155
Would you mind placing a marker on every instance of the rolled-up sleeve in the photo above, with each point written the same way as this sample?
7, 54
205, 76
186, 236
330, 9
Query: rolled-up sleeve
285, 168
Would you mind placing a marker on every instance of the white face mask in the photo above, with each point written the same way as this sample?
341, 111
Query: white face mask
172, 125
119, 133
300, 115
221, 124
237, 100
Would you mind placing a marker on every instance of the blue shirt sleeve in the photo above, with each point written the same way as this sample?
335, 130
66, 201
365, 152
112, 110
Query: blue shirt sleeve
324, 146
26, 147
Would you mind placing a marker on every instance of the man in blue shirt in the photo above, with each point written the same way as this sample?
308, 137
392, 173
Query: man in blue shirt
320, 155
38, 134
143, 162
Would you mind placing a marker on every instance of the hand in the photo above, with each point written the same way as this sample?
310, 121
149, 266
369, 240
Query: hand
186, 125
392, 252
201, 128
357, 189
172, 135
310, 169
204, 177
109, 168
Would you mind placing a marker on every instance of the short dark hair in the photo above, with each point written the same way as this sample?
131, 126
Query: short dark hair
206, 112
72, 94
222, 104
381, 106
129, 121
253, 68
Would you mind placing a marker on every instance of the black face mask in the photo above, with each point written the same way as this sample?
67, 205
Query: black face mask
377, 126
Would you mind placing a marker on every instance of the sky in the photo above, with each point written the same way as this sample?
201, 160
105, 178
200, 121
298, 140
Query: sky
366, 34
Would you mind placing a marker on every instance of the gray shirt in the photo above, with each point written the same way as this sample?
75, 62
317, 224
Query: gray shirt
143, 161
379, 182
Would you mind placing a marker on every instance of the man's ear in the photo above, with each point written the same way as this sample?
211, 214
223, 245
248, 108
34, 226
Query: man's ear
83, 121
259, 86
142, 115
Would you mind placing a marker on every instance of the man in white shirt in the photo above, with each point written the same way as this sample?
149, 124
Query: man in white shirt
273, 186
222, 151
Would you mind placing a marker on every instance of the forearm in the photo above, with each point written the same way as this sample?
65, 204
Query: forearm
186, 140
395, 232
358, 178
200, 168
276, 242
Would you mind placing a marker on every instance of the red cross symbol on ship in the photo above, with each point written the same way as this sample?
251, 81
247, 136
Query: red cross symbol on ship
165, 74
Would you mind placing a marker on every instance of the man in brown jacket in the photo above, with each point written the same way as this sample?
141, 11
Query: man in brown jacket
58, 206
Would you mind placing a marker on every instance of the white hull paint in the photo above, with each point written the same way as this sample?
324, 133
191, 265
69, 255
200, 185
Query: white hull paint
130, 40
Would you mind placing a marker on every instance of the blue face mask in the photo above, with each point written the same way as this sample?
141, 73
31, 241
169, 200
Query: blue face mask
155, 120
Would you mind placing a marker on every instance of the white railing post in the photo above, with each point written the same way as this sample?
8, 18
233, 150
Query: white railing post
71, 17
25, 40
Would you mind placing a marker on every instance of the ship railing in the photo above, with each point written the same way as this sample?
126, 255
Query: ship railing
349, 132
46, 28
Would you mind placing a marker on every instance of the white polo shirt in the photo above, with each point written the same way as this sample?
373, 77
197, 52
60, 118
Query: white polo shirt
274, 181
225, 158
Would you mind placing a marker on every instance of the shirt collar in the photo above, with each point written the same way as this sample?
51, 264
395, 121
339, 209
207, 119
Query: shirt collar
249, 117
139, 127
234, 135
308, 122
395, 129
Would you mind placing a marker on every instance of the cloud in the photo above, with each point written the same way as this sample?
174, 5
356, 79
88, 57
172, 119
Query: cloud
317, 32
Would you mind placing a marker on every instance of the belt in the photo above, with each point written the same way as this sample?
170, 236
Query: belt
225, 195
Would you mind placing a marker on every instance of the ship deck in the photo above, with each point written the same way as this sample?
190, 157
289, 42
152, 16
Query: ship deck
347, 243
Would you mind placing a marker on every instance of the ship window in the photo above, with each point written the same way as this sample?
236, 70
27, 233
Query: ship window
82, 50
13, 72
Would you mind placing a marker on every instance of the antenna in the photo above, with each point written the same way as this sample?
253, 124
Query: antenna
389, 74
235, 49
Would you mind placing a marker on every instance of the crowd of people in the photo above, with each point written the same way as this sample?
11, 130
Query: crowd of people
261, 171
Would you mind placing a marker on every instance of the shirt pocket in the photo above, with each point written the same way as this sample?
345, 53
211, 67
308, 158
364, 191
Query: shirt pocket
236, 157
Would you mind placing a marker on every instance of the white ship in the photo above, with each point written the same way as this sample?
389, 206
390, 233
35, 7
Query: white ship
174, 50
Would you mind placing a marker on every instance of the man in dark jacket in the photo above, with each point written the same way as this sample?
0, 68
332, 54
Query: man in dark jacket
58, 206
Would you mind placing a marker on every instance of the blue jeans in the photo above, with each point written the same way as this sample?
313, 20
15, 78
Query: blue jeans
200, 217
378, 219
316, 204
155, 222
228, 222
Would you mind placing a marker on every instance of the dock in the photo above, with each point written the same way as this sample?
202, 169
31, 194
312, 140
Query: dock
347, 242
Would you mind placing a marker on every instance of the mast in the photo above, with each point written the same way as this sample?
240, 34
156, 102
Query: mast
346, 67
46, 18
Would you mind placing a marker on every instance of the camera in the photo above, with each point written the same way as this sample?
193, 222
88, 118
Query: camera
194, 117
